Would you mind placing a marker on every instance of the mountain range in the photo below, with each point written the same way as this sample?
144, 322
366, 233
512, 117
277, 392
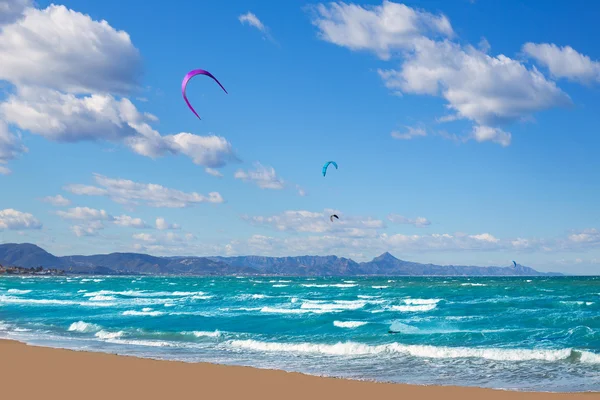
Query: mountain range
29, 255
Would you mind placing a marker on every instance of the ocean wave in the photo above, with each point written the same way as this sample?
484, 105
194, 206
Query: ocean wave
380, 287
145, 312
417, 308
314, 285
336, 305
18, 300
202, 297
206, 334
142, 293
109, 335
81, 326
280, 285
421, 351
349, 324
275, 310
102, 298
473, 284
417, 302
18, 291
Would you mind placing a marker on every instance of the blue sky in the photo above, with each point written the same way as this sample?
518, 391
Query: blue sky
465, 131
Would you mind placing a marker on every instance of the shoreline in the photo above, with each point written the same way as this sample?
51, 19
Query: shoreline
72, 374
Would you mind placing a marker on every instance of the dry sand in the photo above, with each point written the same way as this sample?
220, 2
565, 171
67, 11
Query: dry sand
29, 372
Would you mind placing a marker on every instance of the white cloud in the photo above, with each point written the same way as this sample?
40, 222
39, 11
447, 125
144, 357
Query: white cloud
85, 213
301, 191
90, 228
263, 177
58, 200
489, 90
485, 89
13, 219
47, 48
496, 135
318, 222
381, 29
10, 147
409, 134
564, 62
213, 172
65, 117
418, 222
162, 224
125, 191
11, 10
65, 87
92, 220
252, 20
128, 221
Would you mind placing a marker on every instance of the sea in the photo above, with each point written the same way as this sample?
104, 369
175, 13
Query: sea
518, 333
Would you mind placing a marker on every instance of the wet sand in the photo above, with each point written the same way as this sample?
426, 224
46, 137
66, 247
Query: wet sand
30, 372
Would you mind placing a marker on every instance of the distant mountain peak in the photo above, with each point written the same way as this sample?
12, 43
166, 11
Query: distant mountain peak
385, 257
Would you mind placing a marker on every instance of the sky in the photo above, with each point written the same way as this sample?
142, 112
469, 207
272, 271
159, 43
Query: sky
465, 131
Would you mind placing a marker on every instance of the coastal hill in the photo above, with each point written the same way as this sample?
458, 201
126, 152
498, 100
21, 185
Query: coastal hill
28, 255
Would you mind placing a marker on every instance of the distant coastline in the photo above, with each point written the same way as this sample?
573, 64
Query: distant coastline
27, 256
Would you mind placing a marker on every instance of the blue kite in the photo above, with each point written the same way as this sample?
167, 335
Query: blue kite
327, 165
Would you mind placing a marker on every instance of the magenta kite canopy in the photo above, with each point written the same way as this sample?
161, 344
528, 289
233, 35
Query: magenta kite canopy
189, 76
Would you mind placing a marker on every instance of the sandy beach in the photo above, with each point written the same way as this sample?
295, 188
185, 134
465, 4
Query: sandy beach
36, 372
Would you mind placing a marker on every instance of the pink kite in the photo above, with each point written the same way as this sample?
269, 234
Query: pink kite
189, 76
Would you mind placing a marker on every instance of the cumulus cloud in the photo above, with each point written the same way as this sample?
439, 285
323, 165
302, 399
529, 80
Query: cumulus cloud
10, 147
410, 133
418, 222
12, 10
91, 220
261, 176
564, 62
64, 117
301, 221
128, 192
491, 91
41, 49
380, 29
162, 224
66, 104
58, 200
16, 220
485, 89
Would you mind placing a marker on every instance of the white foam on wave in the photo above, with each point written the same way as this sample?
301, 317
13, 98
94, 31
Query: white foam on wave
109, 335
142, 293
360, 349
336, 305
81, 326
280, 285
364, 296
473, 284
421, 301
102, 298
314, 285
417, 308
275, 310
198, 334
19, 300
145, 312
18, 291
344, 285
349, 324
349, 281
380, 287
202, 297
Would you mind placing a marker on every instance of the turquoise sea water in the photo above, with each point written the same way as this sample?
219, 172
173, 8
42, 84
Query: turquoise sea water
539, 334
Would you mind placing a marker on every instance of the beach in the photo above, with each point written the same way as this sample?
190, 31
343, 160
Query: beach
36, 372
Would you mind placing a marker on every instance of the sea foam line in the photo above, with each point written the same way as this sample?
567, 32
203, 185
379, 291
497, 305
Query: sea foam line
357, 349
